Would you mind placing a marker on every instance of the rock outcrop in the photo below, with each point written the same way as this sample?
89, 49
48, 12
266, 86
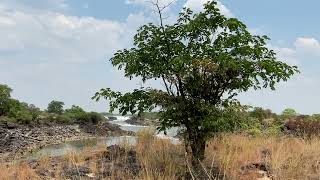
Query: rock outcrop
17, 140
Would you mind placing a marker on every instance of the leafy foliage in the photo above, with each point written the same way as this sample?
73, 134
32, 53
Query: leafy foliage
74, 112
316, 117
90, 118
261, 113
303, 126
55, 107
5, 98
288, 113
204, 60
34, 111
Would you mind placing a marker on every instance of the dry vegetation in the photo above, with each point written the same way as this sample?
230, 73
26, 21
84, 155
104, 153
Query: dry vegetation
235, 157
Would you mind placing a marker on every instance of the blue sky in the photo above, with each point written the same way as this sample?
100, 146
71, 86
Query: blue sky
59, 49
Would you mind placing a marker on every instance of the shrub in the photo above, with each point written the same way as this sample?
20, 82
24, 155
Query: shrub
92, 117
34, 111
5, 119
316, 117
54, 118
5, 97
23, 117
74, 112
289, 113
302, 126
63, 119
262, 114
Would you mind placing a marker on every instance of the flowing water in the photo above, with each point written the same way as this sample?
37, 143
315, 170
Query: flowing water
77, 146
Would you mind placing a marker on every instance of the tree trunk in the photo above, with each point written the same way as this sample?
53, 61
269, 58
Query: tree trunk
197, 144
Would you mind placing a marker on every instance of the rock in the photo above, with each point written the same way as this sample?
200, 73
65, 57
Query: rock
43, 172
75, 172
91, 175
260, 169
314, 177
11, 125
16, 140
134, 120
264, 178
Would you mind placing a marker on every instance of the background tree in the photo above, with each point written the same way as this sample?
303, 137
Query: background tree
74, 112
203, 60
262, 114
34, 111
5, 97
55, 107
316, 117
288, 113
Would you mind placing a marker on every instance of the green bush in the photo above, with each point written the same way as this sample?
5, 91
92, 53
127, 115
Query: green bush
63, 119
60, 119
316, 117
261, 113
75, 112
55, 107
5, 97
5, 119
92, 117
288, 114
23, 117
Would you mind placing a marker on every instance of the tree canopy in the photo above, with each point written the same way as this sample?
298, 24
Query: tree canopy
289, 113
204, 61
55, 107
5, 95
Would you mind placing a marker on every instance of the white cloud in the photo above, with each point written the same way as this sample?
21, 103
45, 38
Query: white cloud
287, 55
301, 50
47, 55
197, 6
33, 5
300, 91
66, 38
308, 45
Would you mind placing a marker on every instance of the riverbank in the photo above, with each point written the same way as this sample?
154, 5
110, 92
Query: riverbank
231, 156
16, 141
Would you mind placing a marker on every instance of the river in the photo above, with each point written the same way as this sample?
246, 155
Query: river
77, 146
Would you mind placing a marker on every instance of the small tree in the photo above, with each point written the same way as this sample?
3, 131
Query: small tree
74, 112
5, 98
203, 60
55, 107
34, 111
262, 114
289, 113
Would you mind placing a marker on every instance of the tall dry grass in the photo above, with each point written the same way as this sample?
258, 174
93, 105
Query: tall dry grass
283, 157
159, 158
228, 156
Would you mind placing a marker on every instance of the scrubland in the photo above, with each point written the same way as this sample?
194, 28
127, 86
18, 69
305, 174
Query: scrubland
228, 156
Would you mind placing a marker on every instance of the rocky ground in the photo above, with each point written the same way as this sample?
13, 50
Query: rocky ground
139, 121
105, 164
17, 140
117, 162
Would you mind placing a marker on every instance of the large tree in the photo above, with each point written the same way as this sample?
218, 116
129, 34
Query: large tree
204, 60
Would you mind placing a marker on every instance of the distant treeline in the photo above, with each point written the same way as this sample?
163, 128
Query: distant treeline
14, 111
252, 120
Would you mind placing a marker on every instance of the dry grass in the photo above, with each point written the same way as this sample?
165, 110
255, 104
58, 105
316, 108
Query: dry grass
17, 172
160, 159
227, 157
284, 158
